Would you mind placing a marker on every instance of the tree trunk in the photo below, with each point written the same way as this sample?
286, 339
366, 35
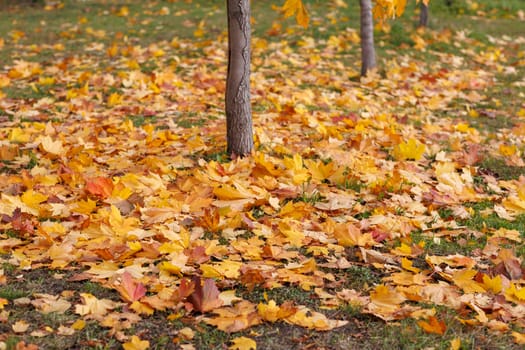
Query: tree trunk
423, 15
238, 110
368, 53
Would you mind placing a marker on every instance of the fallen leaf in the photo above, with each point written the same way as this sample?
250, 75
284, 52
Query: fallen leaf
20, 326
205, 297
130, 289
136, 344
243, 343
433, 325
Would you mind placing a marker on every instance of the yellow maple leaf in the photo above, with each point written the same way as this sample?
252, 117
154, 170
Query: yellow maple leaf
46, 80
515, 294
85, 207
33, 199
507, 150
407, 265
94, 306
296, 7
123, 11
519, 338
243, 343
233, 319
411, 149
272, 312
294, 235
295, 164
78, 325
226, 268
136, 344
114, 99
51, 146
4, 79
492, 284
386, 299
433, 325
141, 308
305, 317
18, 135
464, 280
455, 344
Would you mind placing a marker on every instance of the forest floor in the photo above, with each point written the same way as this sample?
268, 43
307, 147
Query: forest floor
383, 212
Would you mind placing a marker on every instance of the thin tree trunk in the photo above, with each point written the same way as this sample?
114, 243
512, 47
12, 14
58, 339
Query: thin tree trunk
368, 52
423, 15
238, 110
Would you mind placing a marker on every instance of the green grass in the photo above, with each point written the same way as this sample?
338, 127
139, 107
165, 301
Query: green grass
500, 169
12, 293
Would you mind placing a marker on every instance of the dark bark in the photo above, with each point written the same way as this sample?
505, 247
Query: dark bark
368, 53
238, 109
423, 15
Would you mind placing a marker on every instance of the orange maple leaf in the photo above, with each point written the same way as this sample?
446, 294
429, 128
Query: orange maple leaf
433, 326
100, 186
130, 289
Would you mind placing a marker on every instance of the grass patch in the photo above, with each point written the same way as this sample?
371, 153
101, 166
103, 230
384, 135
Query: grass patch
482, 221
499, 168
286, 293
140, 120
11, 293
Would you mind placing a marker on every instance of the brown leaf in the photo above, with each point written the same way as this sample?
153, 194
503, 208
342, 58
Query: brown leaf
205, 297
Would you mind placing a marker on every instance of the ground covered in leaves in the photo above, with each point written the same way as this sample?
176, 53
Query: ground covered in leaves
385, 211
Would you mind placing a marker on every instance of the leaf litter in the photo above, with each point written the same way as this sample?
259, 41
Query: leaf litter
147, 210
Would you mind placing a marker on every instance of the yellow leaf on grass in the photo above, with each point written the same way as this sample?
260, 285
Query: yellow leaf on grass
349, 235
305, 317
243, 343
433, 325
233, 319
519, 338
114, 99
136, 344
407, 265
78, 325
94, 306
455, 344
123, 11
411, 149
507, 150
226, 268
272, 312
386, 298
141, 308
20, 326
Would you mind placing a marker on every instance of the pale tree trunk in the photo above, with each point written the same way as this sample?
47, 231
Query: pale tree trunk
238, 110
368, 52
423, 15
